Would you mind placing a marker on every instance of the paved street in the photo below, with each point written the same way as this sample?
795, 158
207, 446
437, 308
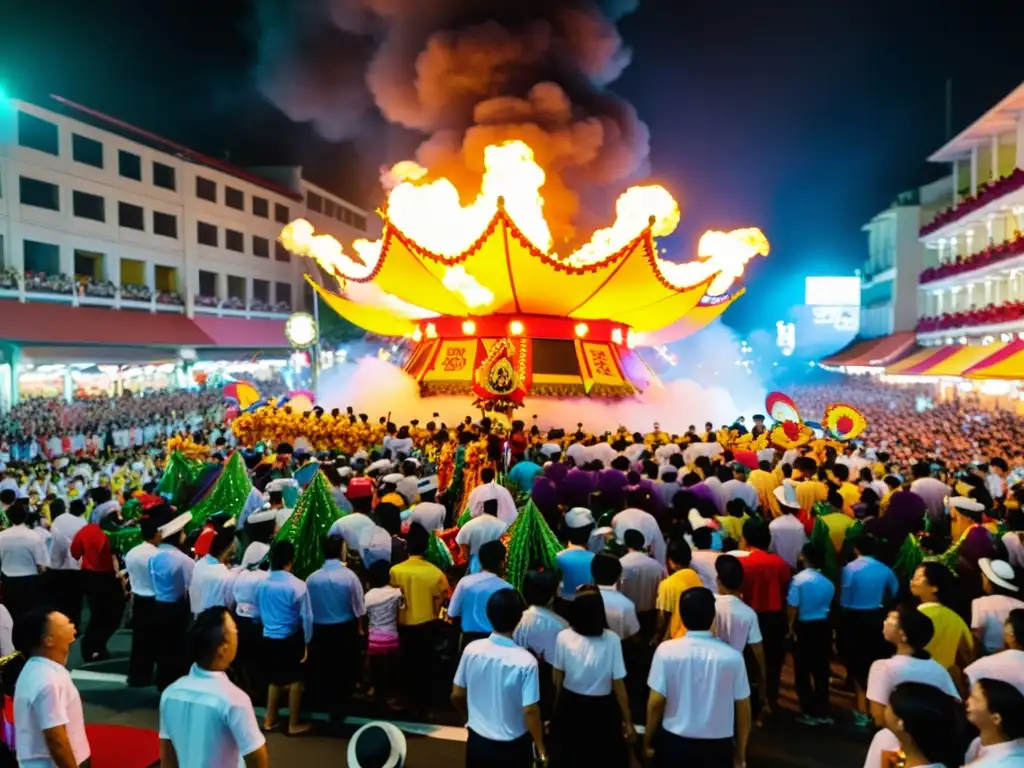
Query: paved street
780, 744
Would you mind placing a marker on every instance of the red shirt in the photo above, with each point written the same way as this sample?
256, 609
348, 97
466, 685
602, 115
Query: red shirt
765, 581
92, 547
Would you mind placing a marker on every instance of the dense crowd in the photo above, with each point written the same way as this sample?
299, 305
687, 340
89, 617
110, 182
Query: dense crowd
559, 588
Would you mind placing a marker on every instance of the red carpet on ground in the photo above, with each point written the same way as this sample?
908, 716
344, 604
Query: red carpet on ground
121, 746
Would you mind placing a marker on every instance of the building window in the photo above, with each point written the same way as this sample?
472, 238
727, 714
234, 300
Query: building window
130, 216
359, 222
86, 151
236, 287
260, 247
314, 202
234, 241
329, 208
129, 165
89, 265
164, 177
344, 215
260, 207
36, 133
207, 283
166, 279
207, 234
281, 213
261, 290
283, 293
234, 198
165, 224
88, 206
281, 253
41, 257
40, 194
206, 189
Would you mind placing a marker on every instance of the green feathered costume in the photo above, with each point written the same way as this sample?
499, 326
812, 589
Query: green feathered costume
531, 544
309, 526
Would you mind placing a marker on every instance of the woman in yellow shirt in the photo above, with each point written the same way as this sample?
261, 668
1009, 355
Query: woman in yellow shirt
952, 644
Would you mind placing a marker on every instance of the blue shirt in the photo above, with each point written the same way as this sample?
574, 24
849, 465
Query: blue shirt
522, 474
811, 593
469, 602
864, 584
575, 567
170, 571
283, 603
335, 594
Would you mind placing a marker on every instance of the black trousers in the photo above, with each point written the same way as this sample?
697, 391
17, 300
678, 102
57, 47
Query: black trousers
487, 753
417, 647
671, 751
811, 666
861, 642
144, 642
335, 660
22, 594
105, 598
170, 622
65, 592
248, 673
773, 626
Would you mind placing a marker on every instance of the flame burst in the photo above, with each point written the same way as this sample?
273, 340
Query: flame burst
430, 213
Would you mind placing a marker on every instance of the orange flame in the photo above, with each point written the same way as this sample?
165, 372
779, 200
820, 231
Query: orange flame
431, 214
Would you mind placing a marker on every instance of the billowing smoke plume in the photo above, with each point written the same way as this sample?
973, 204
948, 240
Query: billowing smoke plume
465, 74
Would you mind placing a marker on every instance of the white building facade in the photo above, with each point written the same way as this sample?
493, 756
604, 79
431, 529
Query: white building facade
95, 212
972, 287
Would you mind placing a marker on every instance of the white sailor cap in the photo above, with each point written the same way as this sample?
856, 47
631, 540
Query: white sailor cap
379, 465
579, 517
176, 525
255, 553
392, 478
264, 516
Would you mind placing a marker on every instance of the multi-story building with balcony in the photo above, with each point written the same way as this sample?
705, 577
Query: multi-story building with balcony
113, 238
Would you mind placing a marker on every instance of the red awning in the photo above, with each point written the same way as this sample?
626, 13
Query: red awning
873, 352
240, 332
59, 324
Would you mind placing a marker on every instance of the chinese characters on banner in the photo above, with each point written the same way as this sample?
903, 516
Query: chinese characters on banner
455, 361
598, 364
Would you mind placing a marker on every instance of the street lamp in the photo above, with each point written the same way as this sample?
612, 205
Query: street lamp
302, 333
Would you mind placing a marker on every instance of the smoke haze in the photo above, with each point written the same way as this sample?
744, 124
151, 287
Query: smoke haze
465, 74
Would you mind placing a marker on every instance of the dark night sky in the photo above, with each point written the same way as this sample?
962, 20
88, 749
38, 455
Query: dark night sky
804, 118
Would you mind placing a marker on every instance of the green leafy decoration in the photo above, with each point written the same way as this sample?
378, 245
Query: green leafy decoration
309, 525
438, 554
531, 544
228, 495
179, 472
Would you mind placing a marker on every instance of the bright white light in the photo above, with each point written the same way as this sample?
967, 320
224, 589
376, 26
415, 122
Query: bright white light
300, 329
468, 327
581, 329
515, 327
617, 335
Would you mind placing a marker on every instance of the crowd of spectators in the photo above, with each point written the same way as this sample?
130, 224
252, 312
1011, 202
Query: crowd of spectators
993, 254
1007, 312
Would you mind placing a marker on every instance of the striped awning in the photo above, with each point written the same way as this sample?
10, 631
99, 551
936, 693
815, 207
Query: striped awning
1005, 363
962, 359
873, 352
912, 360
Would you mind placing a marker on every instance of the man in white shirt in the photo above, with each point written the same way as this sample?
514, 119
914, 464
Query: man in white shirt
489, 489
647, 524
212, 580
736, 622
703, 557
496, 685
739, 488
144, 640
205, 720
788, 536
700, 695
49, 725
429, 514
23, 560
619, 610
65, 571
641, 575
933, 491
478, 531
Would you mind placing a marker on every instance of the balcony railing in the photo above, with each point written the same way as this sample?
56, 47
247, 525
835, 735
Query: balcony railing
986, 193
996, 314
994, 254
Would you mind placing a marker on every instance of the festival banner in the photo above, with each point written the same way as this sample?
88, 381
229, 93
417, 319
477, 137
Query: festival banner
454, 360
504, 372
598, 365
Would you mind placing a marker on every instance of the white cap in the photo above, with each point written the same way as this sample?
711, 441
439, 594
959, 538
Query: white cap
785, 494
281, 483
966, 504
665, 469
579, 517
999, 572
412, 460
379, 465
396, 747
550, 449
177, 524
393, 478
263, 516
345, 472
427, 484
359, 456
374, 545
696, 520
255, 553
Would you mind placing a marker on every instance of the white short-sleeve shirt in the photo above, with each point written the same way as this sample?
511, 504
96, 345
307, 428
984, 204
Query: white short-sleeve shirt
620, 613
538, 631
500, 679
988, 613
1007, 665
21, 552
209, 720
589, 663
641, 575
736, 622
479, 531
886, 674
701, 678
44, 698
